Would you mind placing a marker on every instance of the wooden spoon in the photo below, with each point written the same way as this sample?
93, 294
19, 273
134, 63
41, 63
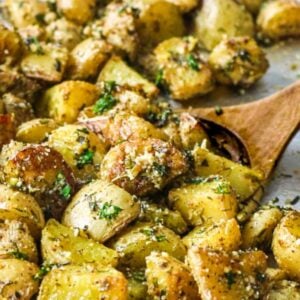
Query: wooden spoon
264, 127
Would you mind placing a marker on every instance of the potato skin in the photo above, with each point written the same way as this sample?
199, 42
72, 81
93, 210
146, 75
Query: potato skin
17, 279
7, 129
16, 241
285, 244
141, 166
169, 277
282, 290
83, 282
279, 19
228, 18
101, 209
238, 61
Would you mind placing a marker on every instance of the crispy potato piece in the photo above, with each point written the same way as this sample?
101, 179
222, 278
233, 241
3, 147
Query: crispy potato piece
101, 209
16, 241
219, 18
83, 282
78, 11
137, 242
219, 275
62, 245
35, 131
21, 207
285, 244
137, 285
280, 18
283, 290
182, 70
81, 149
7, 129
244, 180
225, 236
185, 5
64, 101
206, 202
258, 231
238, 61
143, 166
40, 171
16, 278
47, 62
118, 71
169, 278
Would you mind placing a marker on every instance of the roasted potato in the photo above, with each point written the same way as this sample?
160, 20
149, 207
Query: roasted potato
40, 171
185, 5
62, 245
141, 166
169, 278
118, 71
101, 209
205, 202
64, 101
35, 131
229, 19
78, 11
238, 61
258, 231
285, 244
279, 19
137, 285
21, 207
181, 69
7, 129
16, 277
238, 275
137, 242
83, 282
225, 236
81, 149
283, 290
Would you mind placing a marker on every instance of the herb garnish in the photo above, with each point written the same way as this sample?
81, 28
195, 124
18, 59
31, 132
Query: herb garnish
85, 158
62, 186
159, 77
218, 110
192, 62
139, 276
230, 277
37, 48
152, 234
44, 270
108, 211
160, 169
18, 254
222, 188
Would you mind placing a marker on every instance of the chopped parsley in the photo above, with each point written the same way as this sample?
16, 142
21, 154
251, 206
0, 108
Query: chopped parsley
85, 158
261, 277
230, 277
223, 188
195, 180
105, 103
139, 276
159, 77
160, 169
218, 110
160, 119
152, 234
192, 62
108, 211
44, 270
18, 254
37, 48
40, 18
62, 186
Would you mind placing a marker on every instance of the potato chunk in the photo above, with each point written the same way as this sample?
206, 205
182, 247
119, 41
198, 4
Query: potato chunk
101, 209
285, 244
185, 5
238, 61
283, 290
219, 18
7, 129
169, 278
228, 276
182, 70
62, 245
83, 282
143, 166
205, 202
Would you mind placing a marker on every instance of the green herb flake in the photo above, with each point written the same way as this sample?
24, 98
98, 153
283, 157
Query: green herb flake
108, 211
223, 188
152, 234
37, 46
160, 169
230, 277
159, 77
105, 103
218, 110
195, 180
62, 186
40, 18
261, 277
19, 255
85, 158
44, 270
192, 62
138, 276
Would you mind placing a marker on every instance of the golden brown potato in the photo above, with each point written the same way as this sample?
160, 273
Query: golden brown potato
40, 171
185, 5
118, 71
137, 242
62, 245
16, 241
206, 201
169, 278
283, 290
181, 68
78, 11
137, 286
143, 166
221, 18
64, 101
285, 244
280, 18
35, 131
21, 207
258, 231
225, 236
83, 282
16, 277
101, 209
7, 129
81, 149
238, 61
238, 275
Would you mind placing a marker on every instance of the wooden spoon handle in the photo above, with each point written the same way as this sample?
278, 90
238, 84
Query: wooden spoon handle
265, 127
